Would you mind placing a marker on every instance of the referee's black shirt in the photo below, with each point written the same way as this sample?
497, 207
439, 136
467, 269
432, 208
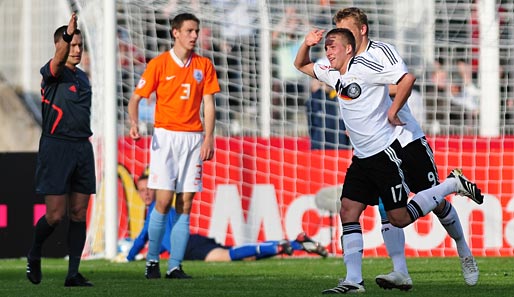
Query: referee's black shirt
66, 103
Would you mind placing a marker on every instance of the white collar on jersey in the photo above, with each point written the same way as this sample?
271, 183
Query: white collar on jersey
178, 60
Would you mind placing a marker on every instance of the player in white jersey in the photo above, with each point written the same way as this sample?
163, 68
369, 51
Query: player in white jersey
420, 168
371, 119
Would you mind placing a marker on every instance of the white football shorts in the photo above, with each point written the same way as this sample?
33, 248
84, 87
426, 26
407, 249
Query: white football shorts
175, 162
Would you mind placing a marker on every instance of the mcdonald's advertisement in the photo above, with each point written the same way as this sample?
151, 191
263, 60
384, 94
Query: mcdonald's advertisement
265, 189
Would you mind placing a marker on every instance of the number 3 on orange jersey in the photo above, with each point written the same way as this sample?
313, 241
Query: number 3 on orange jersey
186, 91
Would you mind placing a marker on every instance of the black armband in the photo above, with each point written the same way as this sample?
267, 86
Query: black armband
67, 38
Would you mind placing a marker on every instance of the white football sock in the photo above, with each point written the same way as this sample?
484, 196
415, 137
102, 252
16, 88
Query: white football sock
394, 240
451, 222
353, 245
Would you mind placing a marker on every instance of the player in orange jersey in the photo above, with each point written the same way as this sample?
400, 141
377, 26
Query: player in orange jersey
181, 142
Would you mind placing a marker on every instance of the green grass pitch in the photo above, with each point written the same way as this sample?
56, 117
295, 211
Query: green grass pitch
271, 277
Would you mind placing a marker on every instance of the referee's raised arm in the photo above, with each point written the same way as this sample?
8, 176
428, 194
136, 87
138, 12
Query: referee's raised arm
62, 40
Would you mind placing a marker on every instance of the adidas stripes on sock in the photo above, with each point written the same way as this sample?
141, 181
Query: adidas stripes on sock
451, 222
353, 244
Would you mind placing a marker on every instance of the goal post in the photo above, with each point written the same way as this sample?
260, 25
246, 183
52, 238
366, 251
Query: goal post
111, 136
98, 21
490, 67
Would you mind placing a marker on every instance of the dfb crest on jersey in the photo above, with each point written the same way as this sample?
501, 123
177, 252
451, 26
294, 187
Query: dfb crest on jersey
198, 75
353, 90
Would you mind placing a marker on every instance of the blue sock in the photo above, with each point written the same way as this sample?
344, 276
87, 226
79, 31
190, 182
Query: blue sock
258, 250
243, 251
267, 249
155, 235
296, 245
179, 239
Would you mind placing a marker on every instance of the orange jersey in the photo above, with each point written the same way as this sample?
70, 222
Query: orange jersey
179, 90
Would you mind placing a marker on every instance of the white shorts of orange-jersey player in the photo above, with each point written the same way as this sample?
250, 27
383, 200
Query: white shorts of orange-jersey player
174, 152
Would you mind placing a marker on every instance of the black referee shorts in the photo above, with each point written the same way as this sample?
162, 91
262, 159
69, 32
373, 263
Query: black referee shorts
65, 166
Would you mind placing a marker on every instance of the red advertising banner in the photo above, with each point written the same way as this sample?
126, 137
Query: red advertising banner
260, 189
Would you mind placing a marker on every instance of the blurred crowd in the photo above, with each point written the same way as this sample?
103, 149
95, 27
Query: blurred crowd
446, 99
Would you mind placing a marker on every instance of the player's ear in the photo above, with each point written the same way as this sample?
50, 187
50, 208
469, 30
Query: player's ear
364, 30
173, 31
349, 50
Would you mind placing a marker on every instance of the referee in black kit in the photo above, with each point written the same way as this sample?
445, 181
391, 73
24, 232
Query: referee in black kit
65, 172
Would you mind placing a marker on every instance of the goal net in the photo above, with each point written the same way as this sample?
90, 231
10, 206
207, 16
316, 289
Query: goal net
278, 140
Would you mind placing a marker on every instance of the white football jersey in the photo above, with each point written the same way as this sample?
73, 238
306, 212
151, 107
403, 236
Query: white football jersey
364, 102
387, 55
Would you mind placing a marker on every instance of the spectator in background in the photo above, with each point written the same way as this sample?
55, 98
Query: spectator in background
455, 91
203, 248
326, 126
236, 42
464, 101
438, 92
508, 105
132, 62
464, 97
129, 55
286, 40
466, 74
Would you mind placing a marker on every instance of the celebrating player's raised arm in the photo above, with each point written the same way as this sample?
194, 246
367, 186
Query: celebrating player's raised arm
303, 61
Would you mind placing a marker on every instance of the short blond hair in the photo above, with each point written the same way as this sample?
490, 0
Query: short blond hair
357, 14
